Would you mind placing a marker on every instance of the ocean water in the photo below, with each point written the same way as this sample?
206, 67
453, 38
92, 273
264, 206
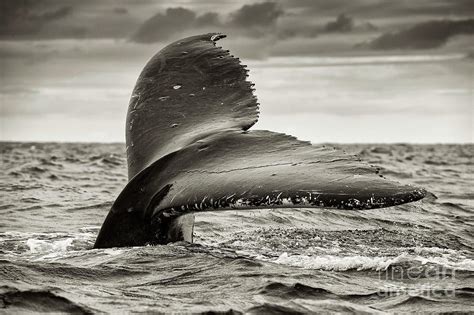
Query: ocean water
413, 257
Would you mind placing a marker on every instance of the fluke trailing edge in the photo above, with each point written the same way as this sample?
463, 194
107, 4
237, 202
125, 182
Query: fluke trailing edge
189, 148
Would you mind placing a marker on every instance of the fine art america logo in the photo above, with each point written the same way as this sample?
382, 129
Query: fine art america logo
422, 281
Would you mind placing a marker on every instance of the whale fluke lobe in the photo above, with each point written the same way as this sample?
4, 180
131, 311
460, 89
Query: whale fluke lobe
190, 89
189, 149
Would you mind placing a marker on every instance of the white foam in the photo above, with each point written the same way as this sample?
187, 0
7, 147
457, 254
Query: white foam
338, 263
49, 246
113, 251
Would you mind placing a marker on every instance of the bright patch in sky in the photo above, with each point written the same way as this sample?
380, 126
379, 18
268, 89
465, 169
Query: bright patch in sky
417, 98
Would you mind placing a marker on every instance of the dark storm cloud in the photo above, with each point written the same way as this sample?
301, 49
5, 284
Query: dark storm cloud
250, 20
120, 10
164, 25
58, 19
426, 35
343, 23
149, 21
435, 7
382, 8
52, 15
259, 14
208, 19
21, 19
259, 29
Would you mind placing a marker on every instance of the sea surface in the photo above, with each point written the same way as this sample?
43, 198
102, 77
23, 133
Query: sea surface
414, 257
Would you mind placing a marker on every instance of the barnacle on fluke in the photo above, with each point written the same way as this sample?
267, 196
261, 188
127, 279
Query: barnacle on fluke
189, 149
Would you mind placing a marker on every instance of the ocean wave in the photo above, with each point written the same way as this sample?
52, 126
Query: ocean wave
39, 301
304, 306
41, 246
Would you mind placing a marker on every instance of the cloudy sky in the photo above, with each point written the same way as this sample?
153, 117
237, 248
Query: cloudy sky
339, 70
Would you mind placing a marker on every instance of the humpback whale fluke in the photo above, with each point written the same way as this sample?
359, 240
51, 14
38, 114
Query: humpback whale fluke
189, 148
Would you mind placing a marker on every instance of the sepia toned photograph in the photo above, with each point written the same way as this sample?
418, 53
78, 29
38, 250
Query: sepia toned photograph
236, 157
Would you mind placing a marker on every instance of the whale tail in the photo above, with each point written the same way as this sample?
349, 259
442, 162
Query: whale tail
189, 149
